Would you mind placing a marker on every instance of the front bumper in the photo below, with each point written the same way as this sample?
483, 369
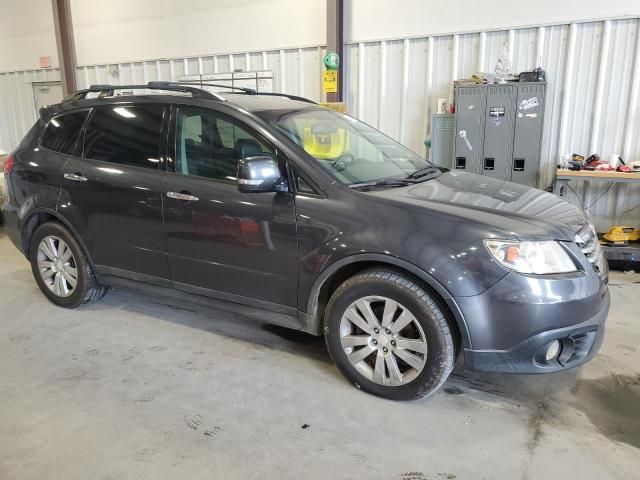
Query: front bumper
579, 342
511, 324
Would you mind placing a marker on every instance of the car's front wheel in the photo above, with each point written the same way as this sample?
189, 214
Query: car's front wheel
388, 336
61, 268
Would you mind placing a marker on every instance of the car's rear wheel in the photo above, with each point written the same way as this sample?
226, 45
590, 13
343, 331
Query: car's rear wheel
61, 268
389, 336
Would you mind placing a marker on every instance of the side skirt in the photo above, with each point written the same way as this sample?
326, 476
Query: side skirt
156, 287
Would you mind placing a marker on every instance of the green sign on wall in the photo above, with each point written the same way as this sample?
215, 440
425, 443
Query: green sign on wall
331, 61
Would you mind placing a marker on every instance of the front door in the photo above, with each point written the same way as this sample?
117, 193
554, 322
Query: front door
222, 243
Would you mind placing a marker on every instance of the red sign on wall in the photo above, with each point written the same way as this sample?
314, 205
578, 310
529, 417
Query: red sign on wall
44, 62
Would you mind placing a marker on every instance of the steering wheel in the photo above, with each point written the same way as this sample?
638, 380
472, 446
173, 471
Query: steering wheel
343, 161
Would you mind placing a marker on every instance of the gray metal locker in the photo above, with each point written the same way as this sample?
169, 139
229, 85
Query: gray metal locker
528, 132
469, 126
442, 128
498, 131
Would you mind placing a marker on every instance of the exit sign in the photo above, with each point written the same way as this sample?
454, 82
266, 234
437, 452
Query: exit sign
45, 62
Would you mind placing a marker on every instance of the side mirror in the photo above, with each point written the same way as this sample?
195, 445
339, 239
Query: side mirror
260, 174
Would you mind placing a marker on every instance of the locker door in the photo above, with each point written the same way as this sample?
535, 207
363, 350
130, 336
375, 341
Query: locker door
528, 133
469, 124
442, 126
498, 131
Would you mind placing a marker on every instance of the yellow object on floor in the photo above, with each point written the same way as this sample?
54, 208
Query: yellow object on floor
337, 106
621, 235
327, 145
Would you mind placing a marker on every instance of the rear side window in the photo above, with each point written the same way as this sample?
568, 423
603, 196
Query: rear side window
63, 131
126, 135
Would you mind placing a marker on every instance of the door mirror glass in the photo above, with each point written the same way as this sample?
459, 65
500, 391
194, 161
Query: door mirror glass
260, 174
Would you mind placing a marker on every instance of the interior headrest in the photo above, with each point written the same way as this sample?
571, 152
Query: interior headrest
247, 147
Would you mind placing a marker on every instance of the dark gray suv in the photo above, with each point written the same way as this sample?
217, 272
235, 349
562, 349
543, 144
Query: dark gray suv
321, 222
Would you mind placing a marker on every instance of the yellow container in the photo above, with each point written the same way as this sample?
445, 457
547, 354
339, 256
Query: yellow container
621, 235
326, 146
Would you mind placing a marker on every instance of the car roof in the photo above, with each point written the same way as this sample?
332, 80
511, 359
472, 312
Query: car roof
259, 103
254, 103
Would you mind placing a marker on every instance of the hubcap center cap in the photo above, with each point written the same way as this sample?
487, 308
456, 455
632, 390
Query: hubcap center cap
58, 266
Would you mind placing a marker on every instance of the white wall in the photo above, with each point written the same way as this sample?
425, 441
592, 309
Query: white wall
26, 34
367, 20
111, 31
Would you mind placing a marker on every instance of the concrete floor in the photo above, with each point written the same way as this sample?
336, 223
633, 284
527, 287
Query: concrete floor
131, 388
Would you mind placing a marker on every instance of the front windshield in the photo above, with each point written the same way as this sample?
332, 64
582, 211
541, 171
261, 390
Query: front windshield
349, 149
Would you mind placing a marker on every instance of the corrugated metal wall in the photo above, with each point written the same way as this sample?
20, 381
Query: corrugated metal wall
593, 96
17, 106
296, 71
592, 105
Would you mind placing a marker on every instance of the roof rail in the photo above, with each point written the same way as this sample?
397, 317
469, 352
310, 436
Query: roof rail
184, 87
286, 95
108, 90
249, 91
204, 83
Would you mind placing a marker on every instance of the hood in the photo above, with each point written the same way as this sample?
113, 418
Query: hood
524, 212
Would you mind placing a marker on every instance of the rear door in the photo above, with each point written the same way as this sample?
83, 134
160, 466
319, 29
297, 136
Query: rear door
113, 194
38, 173
223, 243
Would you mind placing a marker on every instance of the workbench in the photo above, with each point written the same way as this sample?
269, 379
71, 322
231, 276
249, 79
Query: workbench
565, 176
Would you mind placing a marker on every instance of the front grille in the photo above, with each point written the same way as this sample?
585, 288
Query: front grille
587, 241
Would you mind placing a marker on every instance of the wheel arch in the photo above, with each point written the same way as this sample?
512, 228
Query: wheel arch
339, 271
37, 217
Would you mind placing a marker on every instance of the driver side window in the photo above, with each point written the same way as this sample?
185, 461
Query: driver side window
210, 145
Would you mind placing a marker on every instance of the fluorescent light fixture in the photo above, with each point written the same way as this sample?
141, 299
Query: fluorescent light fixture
54, 122
123, 112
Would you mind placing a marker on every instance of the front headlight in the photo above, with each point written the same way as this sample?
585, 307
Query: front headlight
531, 257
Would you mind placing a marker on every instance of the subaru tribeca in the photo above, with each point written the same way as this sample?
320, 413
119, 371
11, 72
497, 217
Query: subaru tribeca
313, 218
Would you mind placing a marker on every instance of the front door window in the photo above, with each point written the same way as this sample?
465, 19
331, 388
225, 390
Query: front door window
209, 145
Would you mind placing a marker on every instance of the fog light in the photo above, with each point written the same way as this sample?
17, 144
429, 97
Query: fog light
553, 350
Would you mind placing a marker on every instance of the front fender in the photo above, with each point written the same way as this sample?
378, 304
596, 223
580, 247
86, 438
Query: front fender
312, 303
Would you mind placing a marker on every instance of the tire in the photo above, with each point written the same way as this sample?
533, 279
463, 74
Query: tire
74, 265
428, 325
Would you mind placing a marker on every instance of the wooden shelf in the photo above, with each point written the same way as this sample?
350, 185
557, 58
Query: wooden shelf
596, 174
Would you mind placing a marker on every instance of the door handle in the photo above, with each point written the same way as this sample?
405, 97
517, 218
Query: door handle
76, 177
183, 196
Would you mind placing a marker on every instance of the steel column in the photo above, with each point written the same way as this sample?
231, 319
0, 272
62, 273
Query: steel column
335, 41
65, 43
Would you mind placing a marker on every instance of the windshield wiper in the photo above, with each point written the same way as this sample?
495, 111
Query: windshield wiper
390, 182
427, 171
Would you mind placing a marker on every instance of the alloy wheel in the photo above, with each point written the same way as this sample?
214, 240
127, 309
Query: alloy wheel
383, 340
57, 266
